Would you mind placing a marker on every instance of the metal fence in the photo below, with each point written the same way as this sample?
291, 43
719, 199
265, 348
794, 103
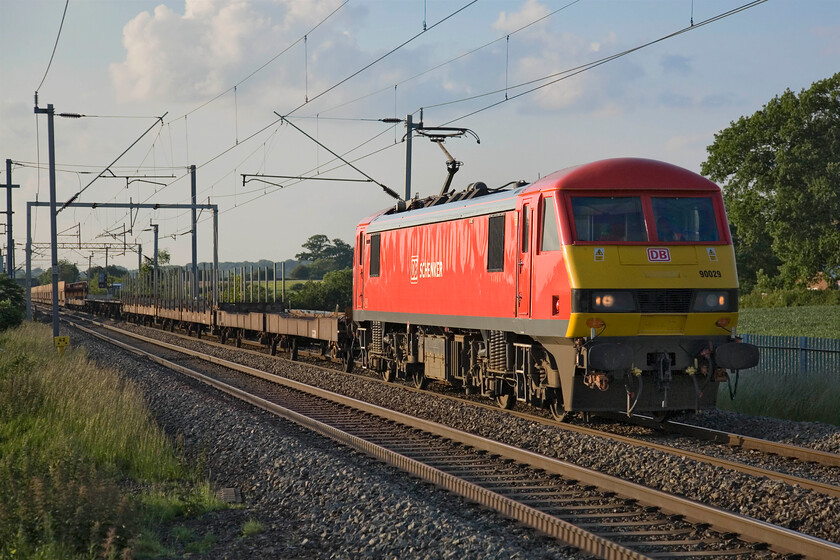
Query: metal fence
796, 354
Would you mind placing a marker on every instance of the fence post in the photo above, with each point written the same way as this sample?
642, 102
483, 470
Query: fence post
803, 354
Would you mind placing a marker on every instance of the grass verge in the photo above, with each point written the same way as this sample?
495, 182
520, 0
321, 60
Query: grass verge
809, 398
74, 438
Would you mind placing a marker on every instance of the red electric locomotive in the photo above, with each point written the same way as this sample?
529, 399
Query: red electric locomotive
610, 286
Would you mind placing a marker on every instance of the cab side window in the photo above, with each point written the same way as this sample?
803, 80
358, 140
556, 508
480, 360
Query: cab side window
496, 243
550, 238
374, 254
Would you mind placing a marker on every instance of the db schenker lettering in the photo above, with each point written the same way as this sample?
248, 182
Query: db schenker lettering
431, 269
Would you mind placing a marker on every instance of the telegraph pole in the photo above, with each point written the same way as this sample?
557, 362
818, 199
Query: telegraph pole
194, 289
50, 112
410, 127
10, 242
155, 271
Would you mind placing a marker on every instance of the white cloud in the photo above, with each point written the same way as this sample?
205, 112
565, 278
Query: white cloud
531, 11
543, 50
191, 56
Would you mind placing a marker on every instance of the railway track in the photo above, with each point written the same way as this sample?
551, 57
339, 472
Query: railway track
602, 515
743, 458
782, 471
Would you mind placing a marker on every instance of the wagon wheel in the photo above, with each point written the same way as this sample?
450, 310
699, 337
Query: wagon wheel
348, 360
418, 379
555, 406
223, 336
506, 400
389, 372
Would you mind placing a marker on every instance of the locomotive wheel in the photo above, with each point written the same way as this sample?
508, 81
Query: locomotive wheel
418, 379
662, 416
507, 400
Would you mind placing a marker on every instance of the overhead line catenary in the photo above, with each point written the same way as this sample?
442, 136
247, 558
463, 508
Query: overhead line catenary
588, 66
356, 73
272, 59
75, 196
384, 188
451, 60
387, 54
579, 68
217, 156
55, 46
293, 183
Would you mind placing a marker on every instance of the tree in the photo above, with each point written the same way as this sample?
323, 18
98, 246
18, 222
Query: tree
67, 272
149, 262
335, 291
12, 303
780, 172
324, 256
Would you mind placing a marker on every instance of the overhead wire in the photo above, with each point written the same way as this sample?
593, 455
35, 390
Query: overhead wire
451, 60
565, 74
55, 47
234, 88
217, 156
272, 59
384, 56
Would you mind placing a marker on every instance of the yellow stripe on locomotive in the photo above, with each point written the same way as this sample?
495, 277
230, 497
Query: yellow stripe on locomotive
694, 293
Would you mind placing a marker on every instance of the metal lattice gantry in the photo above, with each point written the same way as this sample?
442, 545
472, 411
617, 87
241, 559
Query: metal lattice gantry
130, 206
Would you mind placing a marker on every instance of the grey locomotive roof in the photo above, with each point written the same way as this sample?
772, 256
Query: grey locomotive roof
503, 201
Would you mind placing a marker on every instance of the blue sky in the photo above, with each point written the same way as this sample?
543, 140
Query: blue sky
140, 59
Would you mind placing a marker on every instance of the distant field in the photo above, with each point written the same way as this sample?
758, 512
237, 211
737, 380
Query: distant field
821, 321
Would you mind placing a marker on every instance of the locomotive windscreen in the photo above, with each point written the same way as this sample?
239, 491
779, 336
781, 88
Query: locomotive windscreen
609, 218
685, 219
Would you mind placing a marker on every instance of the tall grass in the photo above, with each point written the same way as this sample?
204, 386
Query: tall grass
811, 398
71, 435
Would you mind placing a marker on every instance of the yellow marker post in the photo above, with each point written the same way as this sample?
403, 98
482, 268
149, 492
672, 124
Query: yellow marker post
61, 342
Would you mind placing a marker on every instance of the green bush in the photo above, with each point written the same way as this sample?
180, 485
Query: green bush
12, 303
10, 316
335, 291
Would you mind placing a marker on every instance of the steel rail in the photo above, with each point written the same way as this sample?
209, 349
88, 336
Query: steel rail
778, 538
744, 442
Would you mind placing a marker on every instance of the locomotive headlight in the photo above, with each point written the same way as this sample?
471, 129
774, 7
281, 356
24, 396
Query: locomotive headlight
613, 301
712, 300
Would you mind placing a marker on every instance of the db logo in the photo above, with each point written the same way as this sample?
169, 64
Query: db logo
414, 271
659, 254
